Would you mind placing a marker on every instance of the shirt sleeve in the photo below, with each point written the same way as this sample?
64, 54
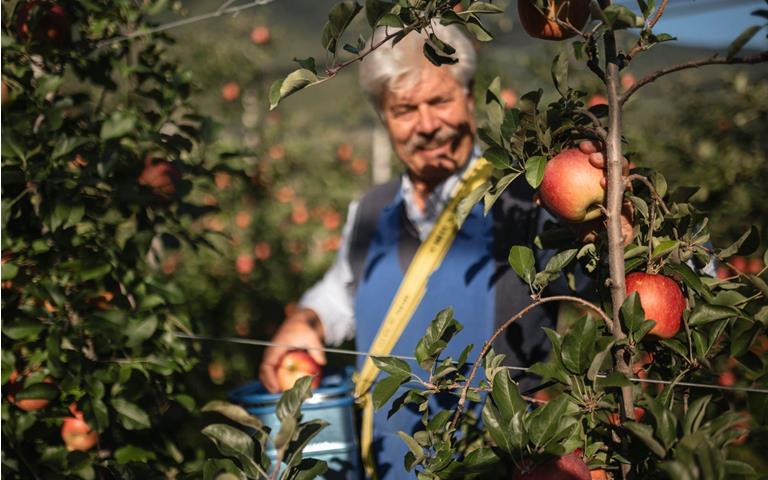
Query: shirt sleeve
332, 298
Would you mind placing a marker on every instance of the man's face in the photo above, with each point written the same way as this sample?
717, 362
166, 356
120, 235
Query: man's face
431, 124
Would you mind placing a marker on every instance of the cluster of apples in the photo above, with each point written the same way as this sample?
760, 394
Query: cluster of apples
572, 189
75, 431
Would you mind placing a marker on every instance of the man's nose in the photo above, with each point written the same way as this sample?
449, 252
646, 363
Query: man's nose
428, 121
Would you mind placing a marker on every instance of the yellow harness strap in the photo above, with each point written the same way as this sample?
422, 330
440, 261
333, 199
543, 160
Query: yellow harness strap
412, 289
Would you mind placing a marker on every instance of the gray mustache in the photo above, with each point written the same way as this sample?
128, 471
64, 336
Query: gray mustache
440, 137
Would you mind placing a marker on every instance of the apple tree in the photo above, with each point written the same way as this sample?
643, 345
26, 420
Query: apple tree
634, 374
101, 147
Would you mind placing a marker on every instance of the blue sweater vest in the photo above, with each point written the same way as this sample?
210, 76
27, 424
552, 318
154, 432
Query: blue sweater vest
474, 279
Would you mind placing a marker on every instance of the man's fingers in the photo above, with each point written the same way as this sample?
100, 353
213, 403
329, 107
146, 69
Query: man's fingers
267, 373
589, 146
597, 160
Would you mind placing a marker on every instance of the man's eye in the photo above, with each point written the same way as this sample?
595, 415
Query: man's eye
402, 111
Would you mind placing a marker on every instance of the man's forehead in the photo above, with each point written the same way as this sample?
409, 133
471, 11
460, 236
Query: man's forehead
419, 85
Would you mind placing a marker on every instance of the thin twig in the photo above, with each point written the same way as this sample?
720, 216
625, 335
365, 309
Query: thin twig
558, 298
653, 190
179, 23
714, 60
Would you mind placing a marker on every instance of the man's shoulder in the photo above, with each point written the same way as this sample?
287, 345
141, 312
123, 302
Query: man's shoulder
382, 193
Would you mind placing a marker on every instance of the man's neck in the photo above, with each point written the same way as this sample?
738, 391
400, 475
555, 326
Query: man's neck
421, 192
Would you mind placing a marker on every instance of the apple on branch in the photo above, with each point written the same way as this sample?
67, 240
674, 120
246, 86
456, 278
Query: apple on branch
662, 301
544, 23
570, 467
294, 365
572, 188
76, 433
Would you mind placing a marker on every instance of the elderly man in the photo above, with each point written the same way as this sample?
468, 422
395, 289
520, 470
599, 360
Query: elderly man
429, 114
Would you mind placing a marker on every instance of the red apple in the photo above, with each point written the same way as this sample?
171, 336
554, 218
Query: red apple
567, 467
260, 35
545, 26
15, 385
43, 22
727, 378
509, 97
294, 365
662, 301
598, 474
76, 433
615, 419
596, 100
755, 266
739, 263
161, 176
230, 91
571, 187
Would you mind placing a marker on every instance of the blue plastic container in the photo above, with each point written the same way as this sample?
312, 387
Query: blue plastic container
333, 402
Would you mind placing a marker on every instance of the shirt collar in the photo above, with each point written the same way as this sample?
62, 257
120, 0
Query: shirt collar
436, 201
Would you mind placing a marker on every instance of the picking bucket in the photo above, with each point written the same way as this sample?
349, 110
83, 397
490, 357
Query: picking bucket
333, 402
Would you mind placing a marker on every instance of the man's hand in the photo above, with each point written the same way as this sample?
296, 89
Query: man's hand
597, 157
301, 330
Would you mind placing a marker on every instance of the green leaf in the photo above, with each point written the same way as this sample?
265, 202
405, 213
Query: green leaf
745, 245
705, 313
534, 170
578, 344
614, 379
234, 443
544, 422
23, 329
737, 468
306, 432
295, 81
339, 18
413, 446
375, 9
132, 416
9, 271
695, 415
632, 312
621, 17
684, 273
390, 20
477, 29
645, 434
308, 469
484, 7
738, 43
468, 203
497, 428
498, 157
385, 388
665, 247
233, 412
132, 453
42, 390
559, 72
522, 261
119, 124
436, 338
289, 404
510, 123
597, 361
506, 395
219, 468
560, 260
393, 366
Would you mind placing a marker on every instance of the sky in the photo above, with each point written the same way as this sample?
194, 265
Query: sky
710, 23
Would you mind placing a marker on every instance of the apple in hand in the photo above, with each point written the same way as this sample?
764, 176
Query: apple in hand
567, 467
294, 365
571, 187
76, 433
662, 301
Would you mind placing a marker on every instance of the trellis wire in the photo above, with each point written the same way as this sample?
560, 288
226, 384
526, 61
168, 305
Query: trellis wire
341, 351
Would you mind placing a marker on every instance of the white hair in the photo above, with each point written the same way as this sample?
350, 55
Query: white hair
402, 62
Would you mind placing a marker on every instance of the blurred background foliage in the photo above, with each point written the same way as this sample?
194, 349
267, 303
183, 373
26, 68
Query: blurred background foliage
270, 189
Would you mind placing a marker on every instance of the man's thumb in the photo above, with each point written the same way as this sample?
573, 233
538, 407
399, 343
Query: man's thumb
318, 355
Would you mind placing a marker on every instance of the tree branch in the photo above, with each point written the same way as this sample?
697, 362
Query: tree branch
640, 45
714, 60
487, 346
